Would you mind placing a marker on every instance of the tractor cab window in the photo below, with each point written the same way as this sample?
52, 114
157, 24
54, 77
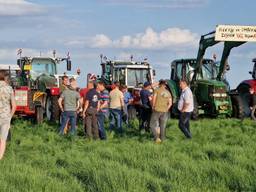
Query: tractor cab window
179, 71
42, 66
209, 71
190, 70
137, 76
119, 75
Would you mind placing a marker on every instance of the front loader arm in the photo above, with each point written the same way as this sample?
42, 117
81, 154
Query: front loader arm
228, 45
206, 41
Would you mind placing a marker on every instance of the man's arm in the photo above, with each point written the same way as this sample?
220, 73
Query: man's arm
169, 103
154, 100
60, 103
122, 101
86, 104
13, 104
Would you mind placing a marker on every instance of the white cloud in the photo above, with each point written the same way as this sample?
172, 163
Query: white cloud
150, 39
154, 4
19, 8
101, 40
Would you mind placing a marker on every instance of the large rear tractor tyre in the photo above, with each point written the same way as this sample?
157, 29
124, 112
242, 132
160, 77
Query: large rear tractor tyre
253, 113
195, 113
52, 109
39, 114
237, 107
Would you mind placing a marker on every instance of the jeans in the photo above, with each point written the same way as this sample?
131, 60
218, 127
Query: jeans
101, 119
116, 119
71, 117
91, 123
145, 118
159, 119
184, 124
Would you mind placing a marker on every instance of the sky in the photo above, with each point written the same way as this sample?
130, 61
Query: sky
159, 30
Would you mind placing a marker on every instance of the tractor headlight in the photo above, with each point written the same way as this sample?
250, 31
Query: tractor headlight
216, 94
223, 94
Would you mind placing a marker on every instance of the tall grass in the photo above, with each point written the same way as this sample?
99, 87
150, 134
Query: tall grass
220, 157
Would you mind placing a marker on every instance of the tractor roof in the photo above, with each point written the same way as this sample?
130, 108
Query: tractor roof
9, 67
120, 62
191, 60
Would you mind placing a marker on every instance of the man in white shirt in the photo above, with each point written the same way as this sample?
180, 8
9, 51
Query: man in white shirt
186, 107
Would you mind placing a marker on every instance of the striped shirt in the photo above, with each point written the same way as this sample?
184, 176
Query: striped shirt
104, 96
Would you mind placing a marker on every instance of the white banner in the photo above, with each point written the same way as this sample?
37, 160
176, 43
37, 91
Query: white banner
235, 33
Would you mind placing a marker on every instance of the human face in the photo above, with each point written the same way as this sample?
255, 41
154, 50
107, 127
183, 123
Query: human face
90, 85
100, 87
183, 85
73, 84
65, 81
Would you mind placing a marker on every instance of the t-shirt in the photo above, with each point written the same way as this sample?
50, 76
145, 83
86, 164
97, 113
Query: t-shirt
162, 99
127, 97
63, 87
6, 94
93, 97
144, 96
104, 96
116, 96
186, 97
83, 92
70, 98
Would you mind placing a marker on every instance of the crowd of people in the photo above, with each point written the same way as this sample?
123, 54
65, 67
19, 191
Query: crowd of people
95, 104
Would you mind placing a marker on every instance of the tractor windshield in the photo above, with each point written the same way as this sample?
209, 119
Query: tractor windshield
209, 71
137, 76
42, 66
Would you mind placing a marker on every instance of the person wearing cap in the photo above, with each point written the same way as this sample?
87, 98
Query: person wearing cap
161, 103
146, 110
185, 106
91, 109
116, 105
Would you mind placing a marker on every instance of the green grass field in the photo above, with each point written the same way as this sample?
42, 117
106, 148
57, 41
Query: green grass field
220, 157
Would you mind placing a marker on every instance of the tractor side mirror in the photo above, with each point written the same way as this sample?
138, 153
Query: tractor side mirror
68, 65
154, 72
250, 72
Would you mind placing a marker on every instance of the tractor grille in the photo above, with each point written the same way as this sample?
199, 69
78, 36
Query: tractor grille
219, 92
21, 97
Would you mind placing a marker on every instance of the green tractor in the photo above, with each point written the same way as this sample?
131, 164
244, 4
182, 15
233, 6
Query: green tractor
207, 80
37, 92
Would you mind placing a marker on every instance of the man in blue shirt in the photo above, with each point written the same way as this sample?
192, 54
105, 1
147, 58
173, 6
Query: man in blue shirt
146, 110
103, 109
127, 101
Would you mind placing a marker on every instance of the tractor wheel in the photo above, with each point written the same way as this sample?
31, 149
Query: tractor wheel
253, 113
195, 112
52, 109
39, 114
237, 107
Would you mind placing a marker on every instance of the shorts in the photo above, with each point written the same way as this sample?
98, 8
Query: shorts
5, 125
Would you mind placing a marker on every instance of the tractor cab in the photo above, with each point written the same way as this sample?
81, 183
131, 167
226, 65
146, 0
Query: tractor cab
128, 73
185, 68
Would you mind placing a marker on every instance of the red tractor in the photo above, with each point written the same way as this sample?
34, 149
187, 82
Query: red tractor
37, 90
247, 90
